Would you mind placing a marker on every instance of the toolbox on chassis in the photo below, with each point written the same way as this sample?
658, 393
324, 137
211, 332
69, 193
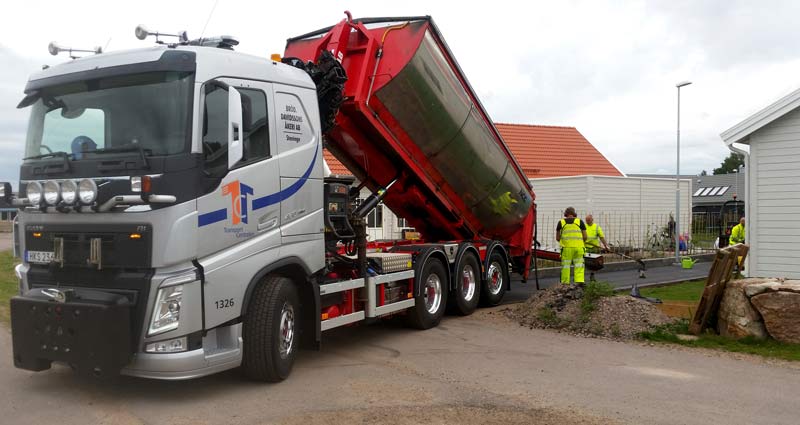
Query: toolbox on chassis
176, 218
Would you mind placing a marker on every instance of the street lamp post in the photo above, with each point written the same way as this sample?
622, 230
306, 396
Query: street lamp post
678, 179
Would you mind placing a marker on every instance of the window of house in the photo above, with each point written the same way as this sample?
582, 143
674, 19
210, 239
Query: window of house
723, 190
697, 193
706, 191
375, 217
401, 222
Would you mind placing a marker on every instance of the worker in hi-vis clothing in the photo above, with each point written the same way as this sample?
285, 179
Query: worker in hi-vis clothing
571, 234
737, 236
738, 232
594, 236
594, 239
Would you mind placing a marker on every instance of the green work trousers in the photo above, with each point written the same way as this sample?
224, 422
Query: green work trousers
571, 256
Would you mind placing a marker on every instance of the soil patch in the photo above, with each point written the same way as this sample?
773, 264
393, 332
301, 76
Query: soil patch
565, 308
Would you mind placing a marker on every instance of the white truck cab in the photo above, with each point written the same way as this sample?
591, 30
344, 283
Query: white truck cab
181, 175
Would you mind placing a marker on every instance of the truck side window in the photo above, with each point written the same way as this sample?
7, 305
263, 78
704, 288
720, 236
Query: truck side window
255, 124
215, 130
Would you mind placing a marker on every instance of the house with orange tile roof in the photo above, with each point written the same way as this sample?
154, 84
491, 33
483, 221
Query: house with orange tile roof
554, 151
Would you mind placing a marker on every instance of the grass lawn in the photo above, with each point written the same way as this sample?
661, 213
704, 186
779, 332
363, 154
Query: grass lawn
691, 291
766, 348
8, 283
687, 291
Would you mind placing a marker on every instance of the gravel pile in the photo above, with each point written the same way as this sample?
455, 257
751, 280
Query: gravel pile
566, 308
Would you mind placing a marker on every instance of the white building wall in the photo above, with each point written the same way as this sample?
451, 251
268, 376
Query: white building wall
627, 208
774, 202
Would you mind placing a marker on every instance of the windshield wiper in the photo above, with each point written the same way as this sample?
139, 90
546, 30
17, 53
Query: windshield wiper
49, 169
48, 155
143, 152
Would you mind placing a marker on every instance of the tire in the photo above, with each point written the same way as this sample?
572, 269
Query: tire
271, 330
466, 285
494, 286
431, 304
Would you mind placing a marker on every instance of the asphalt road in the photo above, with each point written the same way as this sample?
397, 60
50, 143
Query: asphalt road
476, 369
618, 279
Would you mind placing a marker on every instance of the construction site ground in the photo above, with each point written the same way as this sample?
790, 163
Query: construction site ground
471, 370
621, 279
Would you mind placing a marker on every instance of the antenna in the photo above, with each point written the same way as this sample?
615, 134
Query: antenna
210, 14
54, 49
142, 32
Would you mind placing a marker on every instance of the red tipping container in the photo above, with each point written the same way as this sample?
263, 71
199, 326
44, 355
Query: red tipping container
411, 115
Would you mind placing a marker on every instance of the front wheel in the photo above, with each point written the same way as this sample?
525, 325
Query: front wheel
271, 330
431, 300
494, 287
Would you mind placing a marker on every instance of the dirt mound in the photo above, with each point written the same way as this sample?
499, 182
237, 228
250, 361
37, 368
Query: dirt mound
587, 311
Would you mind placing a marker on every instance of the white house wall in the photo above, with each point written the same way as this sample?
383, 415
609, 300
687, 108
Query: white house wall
626, 207
772, 232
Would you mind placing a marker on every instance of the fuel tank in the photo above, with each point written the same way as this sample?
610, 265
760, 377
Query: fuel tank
410, 114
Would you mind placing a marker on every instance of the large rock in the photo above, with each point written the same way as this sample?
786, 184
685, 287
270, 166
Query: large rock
760, 286
736, 318
781, 313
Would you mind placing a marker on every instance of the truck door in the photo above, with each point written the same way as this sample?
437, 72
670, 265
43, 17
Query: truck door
299, 145
239, 228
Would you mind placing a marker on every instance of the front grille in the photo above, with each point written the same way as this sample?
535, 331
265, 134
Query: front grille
121, 245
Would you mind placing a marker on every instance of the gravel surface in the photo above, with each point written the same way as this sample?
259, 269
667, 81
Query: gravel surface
453, 414
483, 368
560, 308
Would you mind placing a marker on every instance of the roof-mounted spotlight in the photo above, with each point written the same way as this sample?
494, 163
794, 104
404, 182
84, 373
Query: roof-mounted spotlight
54, 49
142, 32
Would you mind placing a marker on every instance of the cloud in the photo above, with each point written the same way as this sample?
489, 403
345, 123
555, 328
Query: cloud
13, 121
607, 68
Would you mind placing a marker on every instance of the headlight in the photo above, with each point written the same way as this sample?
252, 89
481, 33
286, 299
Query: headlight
51, 192
69, 191
167, 310
87, 191
34, 190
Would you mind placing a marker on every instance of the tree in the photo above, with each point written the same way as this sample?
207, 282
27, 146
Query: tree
704, 173
730, 164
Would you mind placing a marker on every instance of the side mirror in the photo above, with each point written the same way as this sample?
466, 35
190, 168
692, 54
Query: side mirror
235, 145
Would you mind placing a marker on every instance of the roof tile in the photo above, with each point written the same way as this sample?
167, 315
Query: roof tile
541, 151
552, 151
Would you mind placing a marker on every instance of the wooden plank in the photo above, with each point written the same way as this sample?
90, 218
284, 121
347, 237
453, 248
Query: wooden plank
719, 275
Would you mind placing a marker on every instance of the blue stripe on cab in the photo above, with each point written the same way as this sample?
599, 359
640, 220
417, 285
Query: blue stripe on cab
274, 198
212, 217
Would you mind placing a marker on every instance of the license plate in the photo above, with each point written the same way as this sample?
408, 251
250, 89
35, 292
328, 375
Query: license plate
42, 257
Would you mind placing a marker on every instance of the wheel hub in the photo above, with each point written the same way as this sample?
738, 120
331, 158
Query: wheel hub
495, 274
286, 331
468, 283
433, 293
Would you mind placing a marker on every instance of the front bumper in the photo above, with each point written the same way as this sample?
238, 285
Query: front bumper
89, 330
221, 350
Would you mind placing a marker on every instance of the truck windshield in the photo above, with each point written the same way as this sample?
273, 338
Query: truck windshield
150, 111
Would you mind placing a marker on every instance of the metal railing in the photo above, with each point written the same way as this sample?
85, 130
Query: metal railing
643, 235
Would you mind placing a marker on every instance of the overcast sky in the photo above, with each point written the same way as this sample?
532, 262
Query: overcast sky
607, 68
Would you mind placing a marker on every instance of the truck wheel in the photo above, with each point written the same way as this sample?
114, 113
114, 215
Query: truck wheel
430, 305
494, 287
466, 285
271, 330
